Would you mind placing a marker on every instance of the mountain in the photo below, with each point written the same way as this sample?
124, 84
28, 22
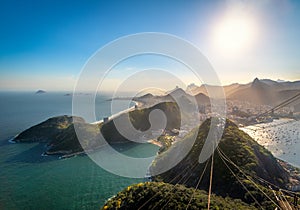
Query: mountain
202, 99
192, 89
59, 133
237, 147
151, 100
146, 96
266, 91
177, 92
139, 119
176, 95
258, 93
159, 195
272, 82
67, 143
280, 80
47, 130
228, 89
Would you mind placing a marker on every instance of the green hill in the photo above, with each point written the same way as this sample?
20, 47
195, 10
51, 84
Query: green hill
60, 136
159, 195
47, 130
139, 119
241, 149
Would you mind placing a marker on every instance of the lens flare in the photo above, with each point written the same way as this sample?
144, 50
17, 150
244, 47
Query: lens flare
234, 34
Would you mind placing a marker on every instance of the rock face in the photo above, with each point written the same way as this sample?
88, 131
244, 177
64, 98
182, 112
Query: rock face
238, 147
158, 195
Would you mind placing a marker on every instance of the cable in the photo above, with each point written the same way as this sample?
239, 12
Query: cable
210, 180
239, 180
284, 103
194, 164
230, 161
284, 198
200, 179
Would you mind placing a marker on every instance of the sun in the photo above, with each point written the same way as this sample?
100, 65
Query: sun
234, 34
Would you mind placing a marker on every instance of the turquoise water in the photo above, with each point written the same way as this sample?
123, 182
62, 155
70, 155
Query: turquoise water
30, 181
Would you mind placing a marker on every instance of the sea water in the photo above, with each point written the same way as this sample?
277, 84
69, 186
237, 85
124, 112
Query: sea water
31, 181
281, 137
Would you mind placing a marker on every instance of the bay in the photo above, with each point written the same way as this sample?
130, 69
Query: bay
30, 181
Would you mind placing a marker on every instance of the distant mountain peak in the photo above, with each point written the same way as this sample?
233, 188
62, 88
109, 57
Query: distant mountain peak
255, 80
191, 86
177, 91
259, 84
280, 80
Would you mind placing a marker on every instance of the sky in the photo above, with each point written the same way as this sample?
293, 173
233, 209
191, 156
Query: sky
46, 44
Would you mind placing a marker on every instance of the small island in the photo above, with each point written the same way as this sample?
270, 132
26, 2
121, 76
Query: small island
40, 92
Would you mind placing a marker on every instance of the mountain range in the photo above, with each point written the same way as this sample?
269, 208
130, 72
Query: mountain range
259, 91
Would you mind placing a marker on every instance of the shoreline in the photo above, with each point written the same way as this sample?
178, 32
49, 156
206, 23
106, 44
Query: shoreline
155, 142
12, 141
132, 108
275, 137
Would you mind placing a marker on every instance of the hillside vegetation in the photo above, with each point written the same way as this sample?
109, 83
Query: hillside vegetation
159, 195
242, 150
139, 119
59, 133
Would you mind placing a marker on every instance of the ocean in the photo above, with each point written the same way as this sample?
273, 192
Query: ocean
281, 137
30, 181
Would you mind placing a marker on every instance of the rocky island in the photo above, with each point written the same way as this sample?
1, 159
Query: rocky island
40, 92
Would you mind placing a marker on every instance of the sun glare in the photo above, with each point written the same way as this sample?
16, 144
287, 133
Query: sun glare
234, 34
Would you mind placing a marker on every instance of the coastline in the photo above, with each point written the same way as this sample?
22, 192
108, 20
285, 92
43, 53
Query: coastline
279, 137
155, 142
294, 173
12, 141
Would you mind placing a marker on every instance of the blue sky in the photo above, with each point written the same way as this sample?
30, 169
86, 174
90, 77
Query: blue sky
44, 44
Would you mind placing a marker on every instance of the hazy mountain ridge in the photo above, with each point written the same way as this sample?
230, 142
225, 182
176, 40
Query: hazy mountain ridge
264, 91
176, 94
259, 91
